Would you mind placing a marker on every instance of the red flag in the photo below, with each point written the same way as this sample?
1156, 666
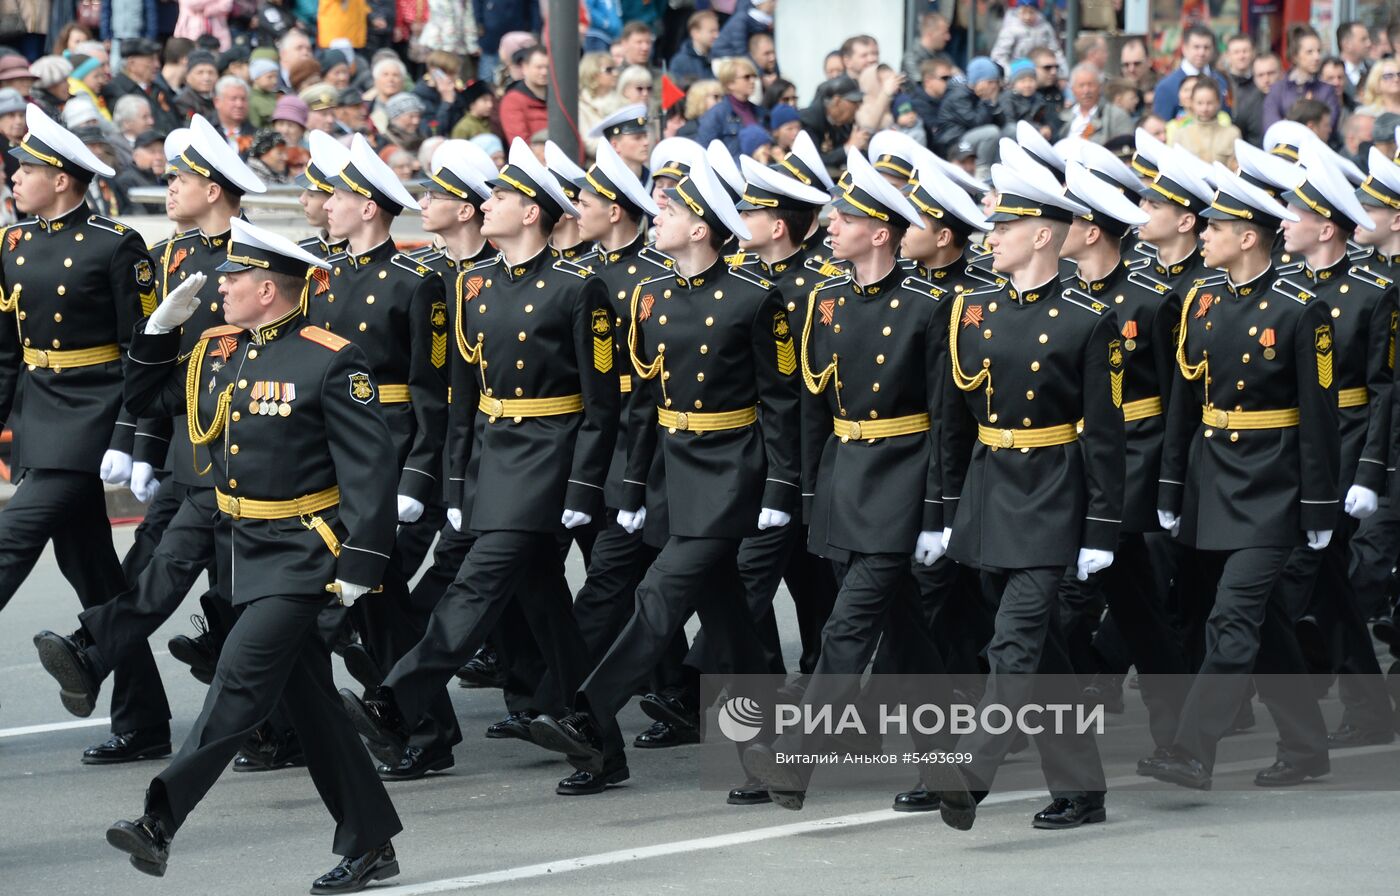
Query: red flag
670, 93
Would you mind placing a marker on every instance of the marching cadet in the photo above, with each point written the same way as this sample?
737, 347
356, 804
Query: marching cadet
534, 373
1147, 155
892, 154
1033, 495
207, 184
1147, 311
1175, 200
670, 163
1363, 320
72, 285
328, 156
708, 346
627, 131
1246, 479
395, 310
804, 164
565, 242
304, 510
874, 471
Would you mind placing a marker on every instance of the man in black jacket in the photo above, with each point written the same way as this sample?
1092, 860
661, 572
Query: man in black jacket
140, 75
969, 112
830, 120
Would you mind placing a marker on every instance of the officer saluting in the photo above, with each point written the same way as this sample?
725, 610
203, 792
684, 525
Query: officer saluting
72, 285
306, 508
1249, 467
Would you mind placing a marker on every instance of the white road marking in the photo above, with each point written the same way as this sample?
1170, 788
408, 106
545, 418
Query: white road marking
720, 841
54, 726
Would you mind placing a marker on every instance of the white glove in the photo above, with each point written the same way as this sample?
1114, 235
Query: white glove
772, 519
1361, 502
410, 509
350, 592
928, 548
178, 307
1169, 521
454, 516
572, 519
632, 520
947, 537
1092, 561
144, 482
1318, 539
116, 467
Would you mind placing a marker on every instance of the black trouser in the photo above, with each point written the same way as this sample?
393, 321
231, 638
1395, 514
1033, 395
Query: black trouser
780, 554
69, 509
956, 617
1029, 664
151, 529
690, 575
498, 564
1375, 548
1248, 631
273, 654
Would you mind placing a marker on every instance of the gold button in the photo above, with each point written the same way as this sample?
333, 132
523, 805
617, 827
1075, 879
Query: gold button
1253, 331
337, 270
539, 284
841, 300
1239, 385
1044, 338
661, 320
622, 293
709, 321
330, 298
67, 262
992, 308
874, 387
792, 306
836, 328
1209, 433
699, 404
1245, 357
520, 365
252, 353
62, 289
79, 237
666, 375
719, 293
631, 269
992, 417
1118, 300
704, 349
382, 274
529, 308
242, 384
1234, 437
665, 294
1035, 365
1336, 312
894, 303
1262, 305
233, 483
661, 346
1054, 312
57, 318
233, 449
369, 300
1346, 288
30, 236
19, 260
700, 377
1030, 395
879, 359
237, 416
480, 309
800, 281
519, 391
987, 333
521, 336
886, 331
55, 343
1025, 421
23, 315
363, 326
1208, 325
213, 306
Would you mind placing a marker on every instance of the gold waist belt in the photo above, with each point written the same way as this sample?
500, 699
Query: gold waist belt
1040, 437
698, 422
529, 407
80, 357
246, 508
1353, 398
1142, 408
626, 383
880, 429
1281, 419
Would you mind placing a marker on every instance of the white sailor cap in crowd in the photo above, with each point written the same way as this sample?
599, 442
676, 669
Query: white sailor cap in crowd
722, 163
1033, 142
49, 143
1179, 182
175, 143
702, 193
630, 119
610, 178
367, 175
455, 169
934, 194
865, 193
1071, 149
805, 163
209, 156
251, 246
1382, 187
1236, 200
766, 188
1109, 209
525, 175
328, 158
958, 175
564, 169
1285, 138
1147, 150
1108, 167
1338, 161
673, 157
1026, 189
892, 152
1324, 191
1269, 172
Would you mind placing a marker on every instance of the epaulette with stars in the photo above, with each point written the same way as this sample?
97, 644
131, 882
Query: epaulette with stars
1140, 277
1293, 290
107, 223
752, 277
1369, 277
569, 266
1083, 300
412, 265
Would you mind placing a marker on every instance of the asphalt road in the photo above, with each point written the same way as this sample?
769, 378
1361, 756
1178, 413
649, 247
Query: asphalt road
494, 825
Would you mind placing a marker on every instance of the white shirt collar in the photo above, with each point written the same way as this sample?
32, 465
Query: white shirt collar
1191, 70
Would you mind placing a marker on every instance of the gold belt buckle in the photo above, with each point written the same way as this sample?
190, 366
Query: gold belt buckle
682, 421
495, 407
43, 358
1008, 438
1217, 417
854, 431
237, 507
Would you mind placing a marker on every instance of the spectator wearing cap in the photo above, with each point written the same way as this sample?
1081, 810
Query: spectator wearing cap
493, 147
90, 76
969, 113
289, 119
756, 142
15, 74
405, 115
321, 100
140, 76
262, 98
724, 121
147, 169
523, 108
597, 98
692, 60
201, 17
495, 21
335, 68
50, 90
480, 104
1302, 81
830, 120
267, 157
750, 17
1020, 101
907, 121
132, 116
234, 61
390, 76
1383, 133
1090, 118
231, 113
197, 96
1023, 29
784, 124
12, 127
352, 114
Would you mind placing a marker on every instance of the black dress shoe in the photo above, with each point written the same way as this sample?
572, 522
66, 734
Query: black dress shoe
515, 725
145, 841
379, 723
200, 653
957, 795
63, 658
1182, 770
1148, 766
354, 873
362, 667
783, 782
582, 783
1288, 774
916, 800
1068, 813
268, 753
1351, 736
415, 764
671, 710
750, 793
664, 734
575, 735
129, 746
482, 671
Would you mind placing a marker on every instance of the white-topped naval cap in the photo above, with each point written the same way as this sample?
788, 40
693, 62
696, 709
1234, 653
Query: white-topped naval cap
1267, 170
49, 143
1027, 189
328, 158
673, 156
1325, 191
766, 187
892, 152
175, 143
1237, 199
959, 176
1382, 188
558, 161
368, 176
1147, 152
1179, 180
630, 119
1033, 142
454, 168
1105, 164
1285, 138
935, 194
805, 163
722, 163
536, 179
209, 155
702, 189
866, 192
272, 251
610, 175
1102, 198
